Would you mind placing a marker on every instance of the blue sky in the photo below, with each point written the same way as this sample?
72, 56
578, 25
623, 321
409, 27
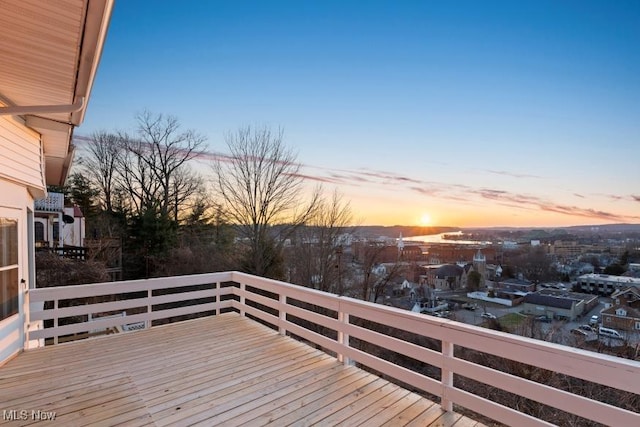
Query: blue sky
472, 113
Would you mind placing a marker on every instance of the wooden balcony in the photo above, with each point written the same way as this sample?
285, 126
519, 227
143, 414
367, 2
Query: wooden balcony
54, 202
221, 370
267, 351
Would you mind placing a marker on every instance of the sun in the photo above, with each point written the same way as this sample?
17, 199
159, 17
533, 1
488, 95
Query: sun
425, 220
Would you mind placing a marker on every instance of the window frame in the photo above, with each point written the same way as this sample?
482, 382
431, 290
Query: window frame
9, 262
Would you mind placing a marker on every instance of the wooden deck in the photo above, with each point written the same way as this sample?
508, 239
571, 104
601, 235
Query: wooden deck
224, 370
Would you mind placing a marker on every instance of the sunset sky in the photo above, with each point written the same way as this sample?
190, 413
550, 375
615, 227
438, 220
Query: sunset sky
462, 113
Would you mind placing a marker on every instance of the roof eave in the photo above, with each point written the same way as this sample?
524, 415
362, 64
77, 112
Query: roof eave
98, 15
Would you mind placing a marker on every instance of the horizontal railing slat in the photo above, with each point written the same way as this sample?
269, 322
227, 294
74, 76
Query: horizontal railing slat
316, 318
261, 299
183, 296
563, 400
500, 413
79, 310
262, 315
414, 351
308, 295
103, 323
407, 376
111, 288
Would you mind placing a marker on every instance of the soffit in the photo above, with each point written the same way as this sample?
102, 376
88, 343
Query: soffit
49, 53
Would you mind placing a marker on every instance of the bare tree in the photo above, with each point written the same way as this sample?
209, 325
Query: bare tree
149, 170
161, 152
261, 187
186, 193
316, 258
372, 284
135, 178
101, 165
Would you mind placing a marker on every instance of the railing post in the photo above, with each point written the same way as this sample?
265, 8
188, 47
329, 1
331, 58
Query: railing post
55, 321
283, 314
27, 317
343, 338
147, 323
447, 376
216, 290
242, 299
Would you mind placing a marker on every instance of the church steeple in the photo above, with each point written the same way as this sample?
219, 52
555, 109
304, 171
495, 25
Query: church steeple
480, 263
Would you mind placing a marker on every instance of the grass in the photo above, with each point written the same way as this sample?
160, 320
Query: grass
512, 320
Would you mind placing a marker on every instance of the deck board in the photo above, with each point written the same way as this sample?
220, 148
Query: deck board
223, 370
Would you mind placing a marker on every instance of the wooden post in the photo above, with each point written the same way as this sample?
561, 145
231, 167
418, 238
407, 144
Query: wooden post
55, 320
343, 338
242, 299
447, 376
283, 314
216, 291
147, 323
27, 318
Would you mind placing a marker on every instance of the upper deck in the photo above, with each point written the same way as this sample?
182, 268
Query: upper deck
219, 370
482, 373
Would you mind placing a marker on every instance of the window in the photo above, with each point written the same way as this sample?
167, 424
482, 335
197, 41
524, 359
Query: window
39, 230
56, 232
621, 312
8, 267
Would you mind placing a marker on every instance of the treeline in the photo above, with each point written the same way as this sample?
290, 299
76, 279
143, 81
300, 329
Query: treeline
179, 209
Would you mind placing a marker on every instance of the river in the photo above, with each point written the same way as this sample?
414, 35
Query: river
439, 238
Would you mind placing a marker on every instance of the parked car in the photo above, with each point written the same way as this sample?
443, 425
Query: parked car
611, 333
579, 332
586, 328
542, 318
488, 316
469, 306
594, 320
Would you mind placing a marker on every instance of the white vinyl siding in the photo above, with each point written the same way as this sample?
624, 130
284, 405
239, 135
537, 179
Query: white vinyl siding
20, 154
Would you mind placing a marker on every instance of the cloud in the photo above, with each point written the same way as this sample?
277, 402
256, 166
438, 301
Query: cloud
513, 174
587, 213
316, 178
389, 177
457, 193
618, 197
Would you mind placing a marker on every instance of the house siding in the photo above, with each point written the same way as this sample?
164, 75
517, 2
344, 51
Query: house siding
21, 157
20, 178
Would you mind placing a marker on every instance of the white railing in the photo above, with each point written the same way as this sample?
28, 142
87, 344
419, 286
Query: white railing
54, 202
347, 324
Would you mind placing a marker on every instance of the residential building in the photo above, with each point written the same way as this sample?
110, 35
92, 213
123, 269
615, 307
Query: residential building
46, 76
624, 314
444, 253
57, 225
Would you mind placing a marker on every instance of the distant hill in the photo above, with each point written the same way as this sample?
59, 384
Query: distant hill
607, 228
543, 233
